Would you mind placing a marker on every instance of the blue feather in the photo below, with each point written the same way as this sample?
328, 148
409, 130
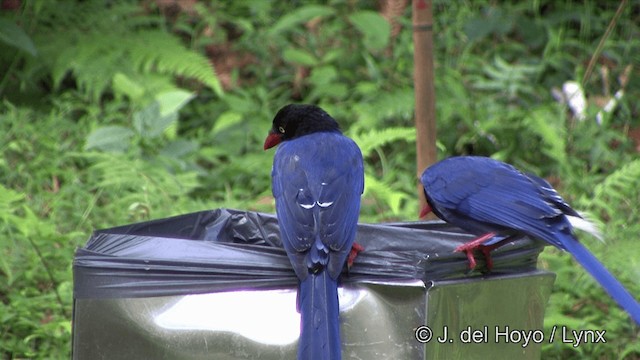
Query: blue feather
317, 181
320, 333
594, 267
483, 195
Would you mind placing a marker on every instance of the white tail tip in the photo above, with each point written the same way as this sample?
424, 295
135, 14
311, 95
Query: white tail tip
586, 225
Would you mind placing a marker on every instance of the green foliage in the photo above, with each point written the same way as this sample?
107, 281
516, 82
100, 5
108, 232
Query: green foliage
155, 121
373, 139
618, 195
11, 34
576, 295
299, 17
105, 48
36, 286
379, 182
112, 113
146, 188
375, 29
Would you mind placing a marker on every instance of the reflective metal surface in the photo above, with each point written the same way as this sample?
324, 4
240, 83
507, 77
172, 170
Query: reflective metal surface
378, 321
484, 318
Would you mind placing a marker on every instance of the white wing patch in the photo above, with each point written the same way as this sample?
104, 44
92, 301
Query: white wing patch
321, 204
324, 204
306, 202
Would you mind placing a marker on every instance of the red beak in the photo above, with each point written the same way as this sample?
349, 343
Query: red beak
425, 210
272, 140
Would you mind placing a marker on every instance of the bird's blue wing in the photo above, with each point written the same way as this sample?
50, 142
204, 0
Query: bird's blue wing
552, 195
317, 182
492, 196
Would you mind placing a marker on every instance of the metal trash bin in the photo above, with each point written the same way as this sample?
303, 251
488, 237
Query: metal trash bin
218, 285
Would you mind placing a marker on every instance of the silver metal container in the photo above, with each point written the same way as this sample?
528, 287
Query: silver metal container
217, 285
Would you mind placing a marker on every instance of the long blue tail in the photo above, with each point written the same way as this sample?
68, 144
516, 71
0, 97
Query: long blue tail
320, 327
603, 276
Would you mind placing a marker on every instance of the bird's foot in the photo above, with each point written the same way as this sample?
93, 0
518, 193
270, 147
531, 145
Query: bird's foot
424, 211
469, 247
486, 251
355, 249
470, 257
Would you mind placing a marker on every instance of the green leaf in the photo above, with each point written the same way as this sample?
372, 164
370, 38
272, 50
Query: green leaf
109, 138
125, 85
179, 148
383, 191
164, 53
323, 75
300, 16
150, 123
299, 57
376, 30
333, 55
477, 28
491, 21
533, 34
174, 100
226, 120
334, 90
618, 190
8, 198
549, 125
375, 138
13, 35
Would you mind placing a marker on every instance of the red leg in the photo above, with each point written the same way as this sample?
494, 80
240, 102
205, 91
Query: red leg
487, 249
471, 245
468, 248
425, 210
355, 249
470, 258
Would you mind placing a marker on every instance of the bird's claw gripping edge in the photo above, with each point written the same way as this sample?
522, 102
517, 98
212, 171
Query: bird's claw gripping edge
478, 243
353, 253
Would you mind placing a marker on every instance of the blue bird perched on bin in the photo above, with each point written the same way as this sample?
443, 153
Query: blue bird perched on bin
495, 201
317, 182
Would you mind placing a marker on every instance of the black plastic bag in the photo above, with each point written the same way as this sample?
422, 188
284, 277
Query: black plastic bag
223, 250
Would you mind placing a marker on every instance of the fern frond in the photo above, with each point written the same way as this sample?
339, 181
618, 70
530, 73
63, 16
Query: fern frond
92, 60
94, 42
159, 51
618, 193
10, 200
621, 183
132, 181
385, 193
372, 139
548, 123
396, 104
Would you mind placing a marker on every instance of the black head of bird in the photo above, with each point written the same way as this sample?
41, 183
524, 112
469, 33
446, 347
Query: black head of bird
296, 120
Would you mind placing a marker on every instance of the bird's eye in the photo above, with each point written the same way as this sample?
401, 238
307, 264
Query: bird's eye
281, 129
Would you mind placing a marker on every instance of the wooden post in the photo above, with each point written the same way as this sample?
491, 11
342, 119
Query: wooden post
424, 89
